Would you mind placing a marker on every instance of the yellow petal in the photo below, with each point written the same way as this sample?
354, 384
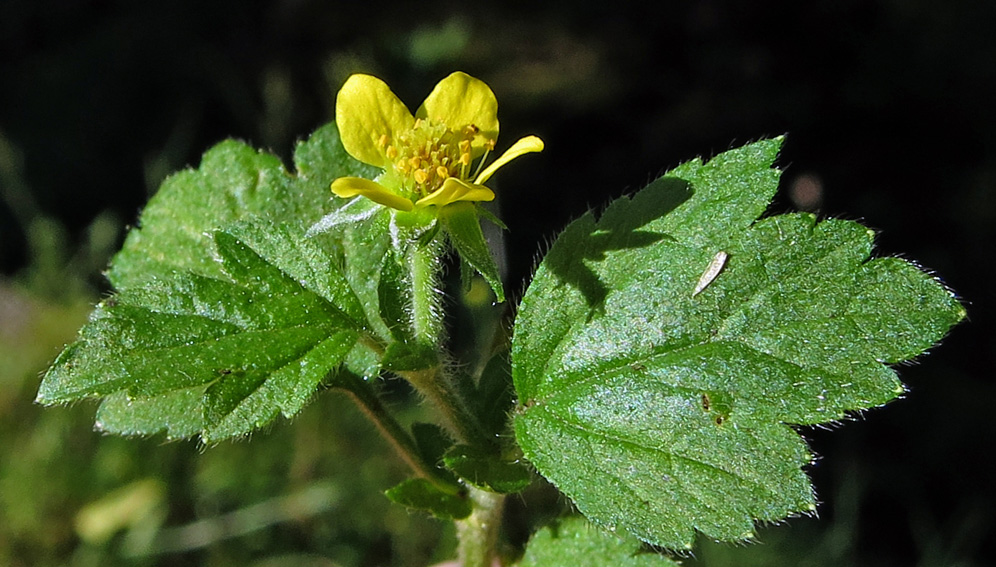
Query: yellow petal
525, 145
454, 190
366, 111
352, 186
459, 101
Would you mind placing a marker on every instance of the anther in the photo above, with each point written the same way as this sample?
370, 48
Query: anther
464, 146
465, 158
391, 152
383, 140
442, 172
420, 176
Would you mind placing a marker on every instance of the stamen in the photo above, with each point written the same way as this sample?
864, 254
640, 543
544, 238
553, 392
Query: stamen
480, 164
442, 172
420, 176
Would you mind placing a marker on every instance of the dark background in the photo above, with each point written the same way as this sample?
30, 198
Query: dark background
888, 106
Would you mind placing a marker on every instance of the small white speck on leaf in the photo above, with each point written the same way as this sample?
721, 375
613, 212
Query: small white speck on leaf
711, 272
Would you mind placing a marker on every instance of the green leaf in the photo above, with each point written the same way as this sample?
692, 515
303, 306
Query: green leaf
303, 260
189, 353
366, 245
420, 494
463, 227
432, 441
217, 332
406, 357
663, 411
493, 396
233, 183
485, 470
576, 543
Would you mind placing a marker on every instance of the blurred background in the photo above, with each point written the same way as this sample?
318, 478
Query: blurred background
889, 107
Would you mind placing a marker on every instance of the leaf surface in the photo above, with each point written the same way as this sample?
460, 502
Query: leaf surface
197, 354
420, 494
576, 543
229, 310
663, 411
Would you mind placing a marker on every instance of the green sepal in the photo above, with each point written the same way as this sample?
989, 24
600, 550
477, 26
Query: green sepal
463, 228
425, 239
485, 470
574, 542
420, 494
466, 275
484, 212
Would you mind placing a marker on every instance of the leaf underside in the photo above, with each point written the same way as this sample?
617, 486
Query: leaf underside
663, 411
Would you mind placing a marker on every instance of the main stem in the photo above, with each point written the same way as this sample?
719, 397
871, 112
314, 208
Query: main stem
477, 533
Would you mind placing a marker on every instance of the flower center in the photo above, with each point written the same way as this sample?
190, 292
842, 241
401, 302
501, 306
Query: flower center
428, 154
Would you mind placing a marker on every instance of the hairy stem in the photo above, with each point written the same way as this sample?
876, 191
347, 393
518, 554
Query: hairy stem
394, 433
441, 393
424, 262
478, 532
424, 265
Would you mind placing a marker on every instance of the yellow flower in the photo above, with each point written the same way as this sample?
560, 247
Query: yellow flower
427, 158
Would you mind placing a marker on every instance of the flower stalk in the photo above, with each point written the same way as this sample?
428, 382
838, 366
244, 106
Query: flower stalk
434, 167
394, 433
